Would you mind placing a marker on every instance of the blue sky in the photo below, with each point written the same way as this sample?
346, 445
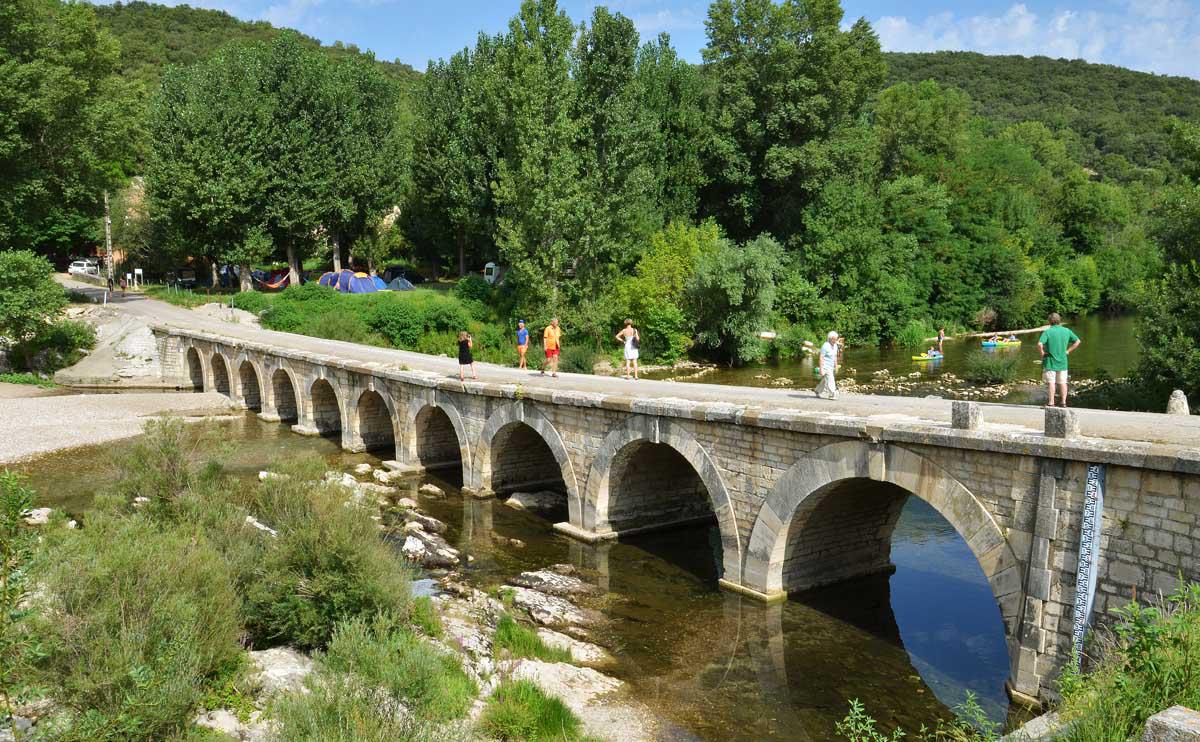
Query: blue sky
1160, 36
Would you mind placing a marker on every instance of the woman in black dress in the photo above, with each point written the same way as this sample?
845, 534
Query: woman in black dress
465, 343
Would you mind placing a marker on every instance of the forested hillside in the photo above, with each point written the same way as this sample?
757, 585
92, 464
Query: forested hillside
1119, 115
154, 36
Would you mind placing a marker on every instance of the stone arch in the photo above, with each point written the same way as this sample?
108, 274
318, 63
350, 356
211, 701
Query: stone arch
438, 438
325, 407
375, 420
508, 418
219, 367
814, 480
250, 385
660, 443
195, 368
285, 395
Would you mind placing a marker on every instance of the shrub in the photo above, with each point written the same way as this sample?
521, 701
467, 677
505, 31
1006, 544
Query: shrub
283, 316
139, 619
160, 465
519, 710
914, 333
473, 288
407, 668
522, 641
790, 343
326, 566
991, 368
337, 326
29, 297
578, 359
401, 323
252, 301
1149, 664
31, 379
61, 344
17, 545
443, 315
734, 293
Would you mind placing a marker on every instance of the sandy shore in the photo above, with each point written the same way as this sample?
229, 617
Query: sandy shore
34, 424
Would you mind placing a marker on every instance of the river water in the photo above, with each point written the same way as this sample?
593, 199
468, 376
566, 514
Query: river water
1109, 350
714, 665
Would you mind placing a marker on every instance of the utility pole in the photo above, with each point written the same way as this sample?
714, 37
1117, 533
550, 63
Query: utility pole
108, 259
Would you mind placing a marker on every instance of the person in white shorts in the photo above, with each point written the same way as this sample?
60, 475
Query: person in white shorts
1055, 344
633, 342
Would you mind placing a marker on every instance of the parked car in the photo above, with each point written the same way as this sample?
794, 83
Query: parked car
84, 267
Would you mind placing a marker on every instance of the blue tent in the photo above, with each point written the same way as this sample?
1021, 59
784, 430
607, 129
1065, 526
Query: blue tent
349, 282
380, 284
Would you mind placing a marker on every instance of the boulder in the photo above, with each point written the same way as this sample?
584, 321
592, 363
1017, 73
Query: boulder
281, 669
431, 490
588, 654
544, 500
363, 469
432, 525
549, 610
226, 722
269, 476
383, 476
38, 516
553, 583
1176, 724
589, 694
374, 489
429, 550
406, 503
1178, 403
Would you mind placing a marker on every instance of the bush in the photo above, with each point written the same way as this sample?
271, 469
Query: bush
139, 620
791, 341
734, 293
30, 379
914, 333
327, 565
252, 301
29, 297
401, 323
991, 368
577, 359
407, 668
519, 710
522, 641
443, 315
337, 326
1149, 664
473, 288
60, 344
283, 317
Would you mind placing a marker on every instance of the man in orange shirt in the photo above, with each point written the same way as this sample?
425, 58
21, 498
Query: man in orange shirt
551, 341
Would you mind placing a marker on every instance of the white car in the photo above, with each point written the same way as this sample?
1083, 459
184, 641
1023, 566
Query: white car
84, 267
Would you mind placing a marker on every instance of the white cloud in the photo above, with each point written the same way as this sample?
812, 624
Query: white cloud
1160, 36
667, 20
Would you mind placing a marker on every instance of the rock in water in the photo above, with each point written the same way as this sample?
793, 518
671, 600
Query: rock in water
363, 469
281, 669
544, 500
549, 610
553, 583
1178, 403
431, 490
584, 652
432, 525
429, 549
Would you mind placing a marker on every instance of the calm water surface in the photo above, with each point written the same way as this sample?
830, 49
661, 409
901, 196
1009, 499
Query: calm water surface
1109, 350
712, 664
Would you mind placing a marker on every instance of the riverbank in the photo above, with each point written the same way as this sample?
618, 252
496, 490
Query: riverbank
37, 421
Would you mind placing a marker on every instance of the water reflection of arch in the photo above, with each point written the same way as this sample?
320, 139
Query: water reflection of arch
805, 494
507, 418
424, 412
643, 431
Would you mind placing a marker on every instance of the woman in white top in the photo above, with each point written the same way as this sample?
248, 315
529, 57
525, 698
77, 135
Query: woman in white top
629, 336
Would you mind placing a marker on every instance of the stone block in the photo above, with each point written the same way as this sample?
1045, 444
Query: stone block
1061, 423
1125, 574
965, 415
1039, 583
1176, 724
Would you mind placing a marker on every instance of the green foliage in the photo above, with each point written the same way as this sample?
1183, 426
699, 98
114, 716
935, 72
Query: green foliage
519, 710
138, 620
859, 726
404, 666
59, 84
61, 344
970, 724
30, 379
473, 288
402, 323
522, 641
915, 333
991, 368
17, 546
30, 298
1149, 664
577, 359
733, 292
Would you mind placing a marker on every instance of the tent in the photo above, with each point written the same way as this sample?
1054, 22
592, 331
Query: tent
349, 282
400, 283
380, 284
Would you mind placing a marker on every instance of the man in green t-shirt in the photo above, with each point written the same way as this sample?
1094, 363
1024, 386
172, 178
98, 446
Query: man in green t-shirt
1055, 344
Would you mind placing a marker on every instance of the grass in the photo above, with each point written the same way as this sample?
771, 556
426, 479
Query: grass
185, 297
522, 641
991, 368
29, 379
519, 710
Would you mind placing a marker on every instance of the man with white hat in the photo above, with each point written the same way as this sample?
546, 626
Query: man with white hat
829, 362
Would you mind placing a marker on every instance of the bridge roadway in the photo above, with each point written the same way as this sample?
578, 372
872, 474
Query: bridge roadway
804, 492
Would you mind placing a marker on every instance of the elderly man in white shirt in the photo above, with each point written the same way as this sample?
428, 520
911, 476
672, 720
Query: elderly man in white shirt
829, 363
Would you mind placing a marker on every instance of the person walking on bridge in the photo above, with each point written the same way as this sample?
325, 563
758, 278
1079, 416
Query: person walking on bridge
552, 343
1055, 344
830, 351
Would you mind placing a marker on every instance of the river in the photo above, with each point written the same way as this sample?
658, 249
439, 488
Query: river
1109, 351
713, 664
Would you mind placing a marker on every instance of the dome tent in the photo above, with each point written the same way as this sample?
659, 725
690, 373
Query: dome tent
349, 282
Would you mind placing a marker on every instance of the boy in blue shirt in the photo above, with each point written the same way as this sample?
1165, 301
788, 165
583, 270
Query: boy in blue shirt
522, 342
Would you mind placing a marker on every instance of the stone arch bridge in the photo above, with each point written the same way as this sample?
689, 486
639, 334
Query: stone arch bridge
801, 499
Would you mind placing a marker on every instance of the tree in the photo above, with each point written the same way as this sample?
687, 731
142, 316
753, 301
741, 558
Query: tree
919, 122
733, 294
785, 79
67, 124
30, 298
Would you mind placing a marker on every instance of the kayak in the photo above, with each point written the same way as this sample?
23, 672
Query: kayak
1001, 344
927, 358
